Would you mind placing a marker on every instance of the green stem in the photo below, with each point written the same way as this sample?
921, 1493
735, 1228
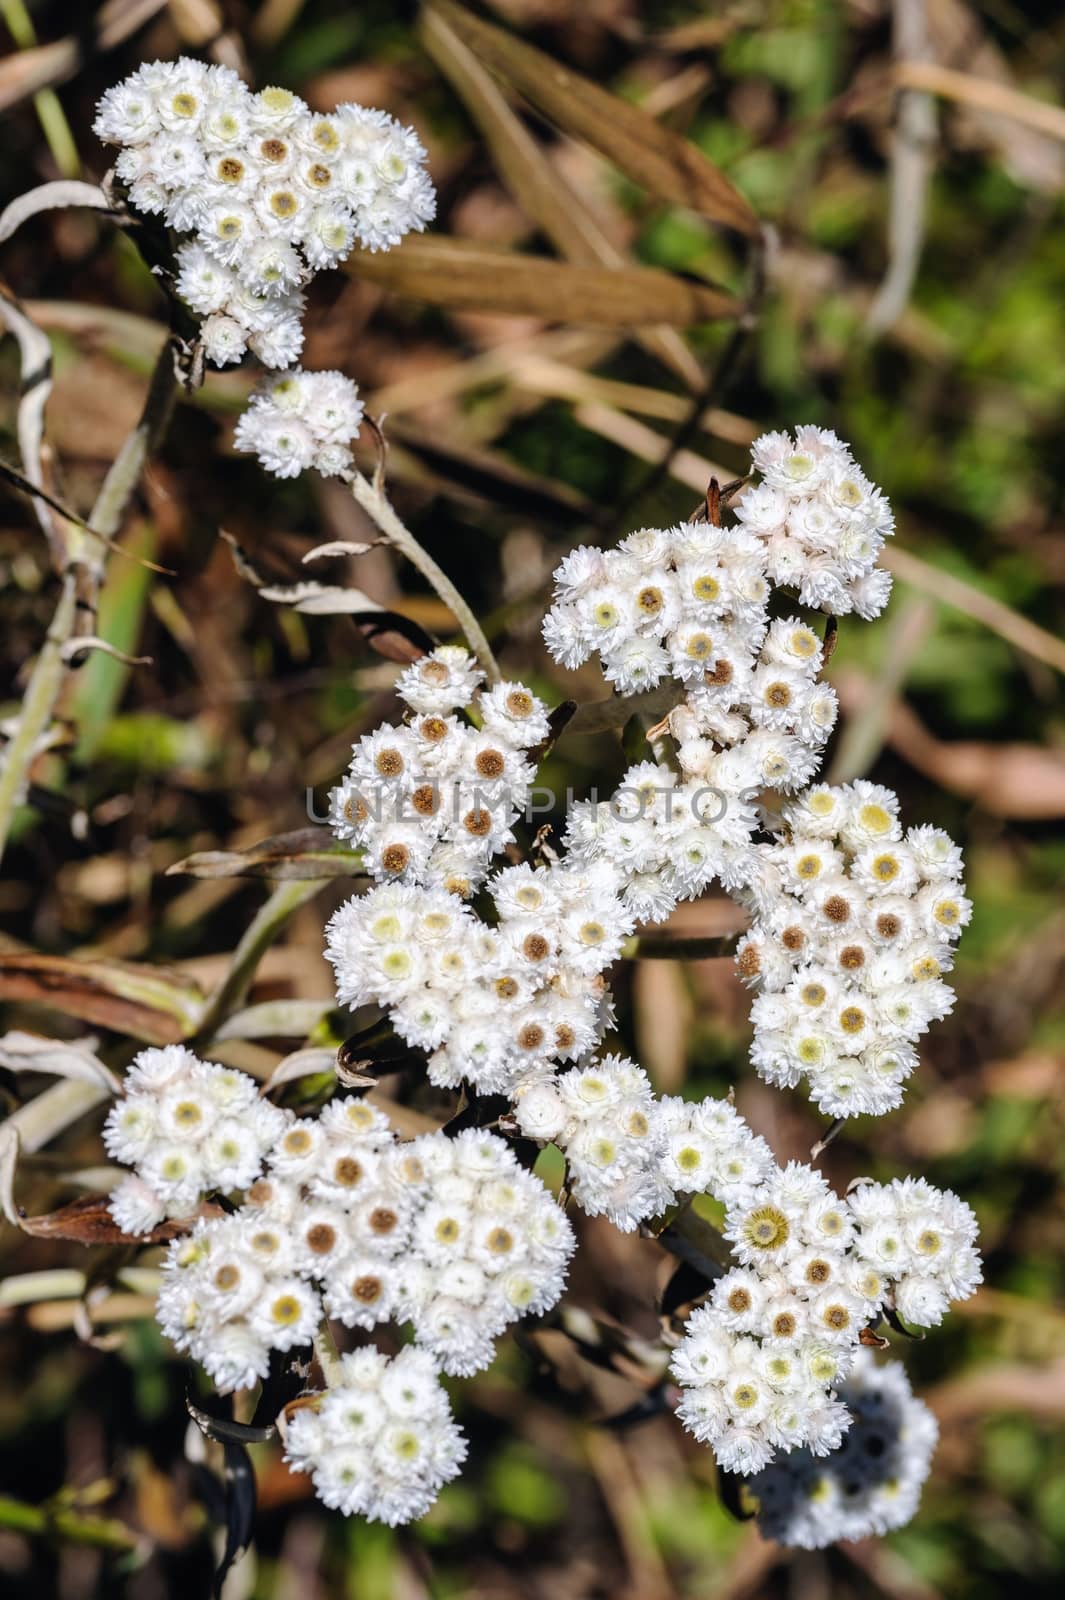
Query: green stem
49, 670
46, 103
102, 1533
259, 936
380, 510
46, 680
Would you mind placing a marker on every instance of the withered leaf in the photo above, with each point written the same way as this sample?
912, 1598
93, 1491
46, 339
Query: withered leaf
466, 276
63, 193
652, 155
87, 1221
148, 1003
304, 854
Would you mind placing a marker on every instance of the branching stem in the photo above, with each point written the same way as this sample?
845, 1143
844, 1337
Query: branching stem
381, 511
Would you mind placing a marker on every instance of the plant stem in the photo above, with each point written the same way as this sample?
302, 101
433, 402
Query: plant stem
102, 1533
49, 670
380, 510
37, 706
46, 102
258, 937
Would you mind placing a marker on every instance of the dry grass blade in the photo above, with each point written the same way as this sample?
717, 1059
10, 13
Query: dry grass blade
982, 93
29, 71
540, 190
994, 614
35, 355
151, 1004
321, 599
653, 156
305, 854
466, 276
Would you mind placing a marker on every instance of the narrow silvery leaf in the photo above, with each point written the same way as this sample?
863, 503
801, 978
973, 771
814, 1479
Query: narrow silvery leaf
62, 194
28, 1052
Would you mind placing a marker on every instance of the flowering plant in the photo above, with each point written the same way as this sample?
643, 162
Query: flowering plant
348, 1234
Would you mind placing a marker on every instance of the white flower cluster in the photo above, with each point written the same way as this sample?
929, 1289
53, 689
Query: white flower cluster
668, 837
854, 924
870, 1484
236, 318
187, 1128
686, 602
630, 1154
381, 1442
496, 1006
921, 1239
760, 1362
488, 1246
434, 800
271, 191
691, 603
450, 1235
820, 522
299, 420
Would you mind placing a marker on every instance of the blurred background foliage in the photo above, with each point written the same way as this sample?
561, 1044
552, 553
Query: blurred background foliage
936, 347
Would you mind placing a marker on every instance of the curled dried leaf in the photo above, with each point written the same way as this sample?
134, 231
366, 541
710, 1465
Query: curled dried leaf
335, 547
30, 1052
321, 599
76, 650
61, 195
301, 1064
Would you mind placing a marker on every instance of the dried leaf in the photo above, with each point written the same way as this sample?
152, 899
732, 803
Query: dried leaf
51, 197
389, 634
149, 1003
223, 1430
321, 599
653, 156
75, 649
275, 1019
467, 276
29, 1052
35, 354
242, 561
336, 547
302, 1064
87, 1221
535, 182
305, 853
396, 638
9, 1154
239, 1496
